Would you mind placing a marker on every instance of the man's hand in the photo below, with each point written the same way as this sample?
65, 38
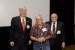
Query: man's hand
63, 45
41, 39
12, 43
44, 39
30, 42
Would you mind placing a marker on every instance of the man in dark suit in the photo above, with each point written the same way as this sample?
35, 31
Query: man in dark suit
57, 42
20, 29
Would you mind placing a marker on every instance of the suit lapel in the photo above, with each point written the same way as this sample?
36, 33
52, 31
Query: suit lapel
49, 23
50, 26
57, 27
26, 24
19, 23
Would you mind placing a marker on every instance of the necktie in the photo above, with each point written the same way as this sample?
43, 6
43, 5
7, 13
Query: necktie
54, 30
23, 24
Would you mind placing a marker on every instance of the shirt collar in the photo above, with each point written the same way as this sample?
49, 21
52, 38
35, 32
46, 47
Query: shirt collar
55, 22
22, 17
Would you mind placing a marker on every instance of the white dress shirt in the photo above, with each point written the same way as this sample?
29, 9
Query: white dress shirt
22, 19
52, 26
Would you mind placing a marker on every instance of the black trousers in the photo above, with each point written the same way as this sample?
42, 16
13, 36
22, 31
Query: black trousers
19, 48
54, 45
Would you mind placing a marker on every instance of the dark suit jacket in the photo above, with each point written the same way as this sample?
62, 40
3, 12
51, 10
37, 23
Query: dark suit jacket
57, 41
20, 37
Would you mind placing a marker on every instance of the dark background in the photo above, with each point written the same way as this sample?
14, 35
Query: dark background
74, 19
65, 11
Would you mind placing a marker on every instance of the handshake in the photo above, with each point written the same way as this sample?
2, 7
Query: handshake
41, 39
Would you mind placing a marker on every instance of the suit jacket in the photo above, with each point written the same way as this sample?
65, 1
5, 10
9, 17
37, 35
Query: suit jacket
60, 37
20, 37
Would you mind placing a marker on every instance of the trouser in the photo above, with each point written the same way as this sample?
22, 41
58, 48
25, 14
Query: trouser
43, 46
18, 48
54, 45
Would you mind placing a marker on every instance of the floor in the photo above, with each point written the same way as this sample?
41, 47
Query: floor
72, 47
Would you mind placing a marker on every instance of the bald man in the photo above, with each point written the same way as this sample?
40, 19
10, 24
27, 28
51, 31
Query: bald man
40, 35
57, 42
20, 29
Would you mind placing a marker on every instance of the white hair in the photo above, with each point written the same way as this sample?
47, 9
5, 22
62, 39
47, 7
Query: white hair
22, 7
38, 16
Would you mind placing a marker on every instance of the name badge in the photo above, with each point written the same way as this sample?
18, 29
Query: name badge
44, 29
58, 32
28, 26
